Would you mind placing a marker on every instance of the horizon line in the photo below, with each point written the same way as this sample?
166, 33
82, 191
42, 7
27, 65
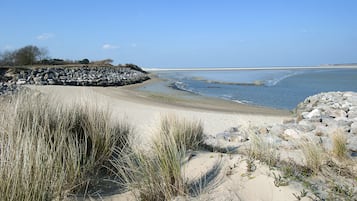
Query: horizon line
253, 68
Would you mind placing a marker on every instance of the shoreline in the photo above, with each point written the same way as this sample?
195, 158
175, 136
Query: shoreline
180, 98
144, 110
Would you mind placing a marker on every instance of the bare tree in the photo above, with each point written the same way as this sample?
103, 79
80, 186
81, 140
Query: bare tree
7, 58
27, 55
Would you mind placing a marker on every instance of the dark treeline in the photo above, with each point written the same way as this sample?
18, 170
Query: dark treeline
32, 55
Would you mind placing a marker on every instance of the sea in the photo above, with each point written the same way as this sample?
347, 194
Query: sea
274, 88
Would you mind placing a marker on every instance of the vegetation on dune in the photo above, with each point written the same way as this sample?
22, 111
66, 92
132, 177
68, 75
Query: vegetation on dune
158, 174
314, 156
339, 141
262, 150
49, 150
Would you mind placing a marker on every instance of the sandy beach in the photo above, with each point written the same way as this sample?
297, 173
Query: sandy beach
143, 110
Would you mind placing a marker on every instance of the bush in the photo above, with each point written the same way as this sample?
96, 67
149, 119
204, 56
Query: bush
84, 61
48, 150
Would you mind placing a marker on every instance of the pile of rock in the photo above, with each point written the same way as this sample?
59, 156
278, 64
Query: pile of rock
7, 88
316, 120
81, 76
76, 76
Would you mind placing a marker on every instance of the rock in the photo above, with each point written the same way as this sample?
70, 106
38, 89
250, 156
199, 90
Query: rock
352, 114
276, 130
354, 128
82, 76
352, 144
289, 121
314, 114
305, 128
21, 82
291, 133
336, 113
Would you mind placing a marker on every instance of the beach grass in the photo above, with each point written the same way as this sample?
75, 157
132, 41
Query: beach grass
339, 141
186, 133
158, 174
262, 150
314, 156
49, 150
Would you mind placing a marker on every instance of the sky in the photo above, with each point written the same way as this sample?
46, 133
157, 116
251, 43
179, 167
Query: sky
186, 33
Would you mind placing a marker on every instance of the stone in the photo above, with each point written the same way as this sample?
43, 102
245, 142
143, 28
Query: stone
291, 133
353, 129
336, 113
352, 114
352, 144
21, 82
77, 76
276, 130
314, 114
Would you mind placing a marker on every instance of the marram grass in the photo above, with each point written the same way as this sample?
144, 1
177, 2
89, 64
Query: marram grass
339, 141
158, 174
48, 150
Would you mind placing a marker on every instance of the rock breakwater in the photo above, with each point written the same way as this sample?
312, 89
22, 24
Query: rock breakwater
323, 132
75, 76
316, 120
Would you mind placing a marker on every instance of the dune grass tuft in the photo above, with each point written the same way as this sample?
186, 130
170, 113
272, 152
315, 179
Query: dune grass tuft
48, 150
314, 156
339, 142
158, 174
186, 133
262, 150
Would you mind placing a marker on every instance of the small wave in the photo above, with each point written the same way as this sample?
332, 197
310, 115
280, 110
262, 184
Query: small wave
178, 85
254, 83
230, 98
273, 82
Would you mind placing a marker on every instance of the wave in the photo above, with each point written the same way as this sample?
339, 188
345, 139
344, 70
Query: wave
181, 86
275, 81
254, 83
230, 98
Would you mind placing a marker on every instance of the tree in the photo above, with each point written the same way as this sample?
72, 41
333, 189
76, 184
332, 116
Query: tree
43, 54
84, 61
7, 58
27, 55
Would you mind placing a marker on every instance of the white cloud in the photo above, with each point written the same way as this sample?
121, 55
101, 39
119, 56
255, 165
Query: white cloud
8, 47
45, 36
109, 46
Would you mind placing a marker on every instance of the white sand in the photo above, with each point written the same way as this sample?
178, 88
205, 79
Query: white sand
145, 114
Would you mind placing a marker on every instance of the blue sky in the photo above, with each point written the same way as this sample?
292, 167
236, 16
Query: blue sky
186, 33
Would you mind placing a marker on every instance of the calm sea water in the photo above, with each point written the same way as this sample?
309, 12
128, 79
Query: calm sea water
282, 89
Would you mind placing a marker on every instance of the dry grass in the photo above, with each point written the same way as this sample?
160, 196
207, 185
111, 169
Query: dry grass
314, 156
339, 141
48, 150
262, 150
186, 133
158, 175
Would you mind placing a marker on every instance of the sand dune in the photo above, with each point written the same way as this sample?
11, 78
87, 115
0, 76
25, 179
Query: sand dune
144, 110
